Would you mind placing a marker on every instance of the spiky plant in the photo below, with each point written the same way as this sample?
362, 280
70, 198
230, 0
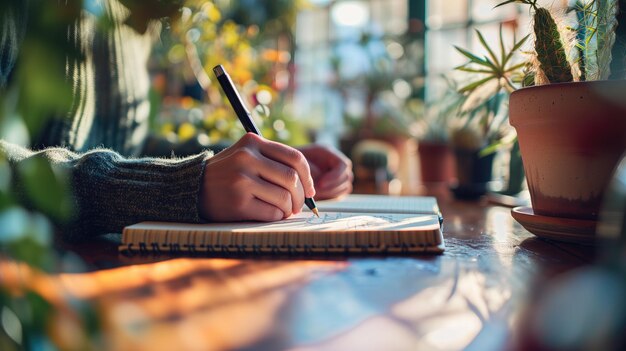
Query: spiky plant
618, 53
494, 76
548, 44
595, 36
600, 42
494, 68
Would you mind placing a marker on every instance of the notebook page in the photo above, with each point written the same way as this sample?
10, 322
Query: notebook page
306, 222
381, 204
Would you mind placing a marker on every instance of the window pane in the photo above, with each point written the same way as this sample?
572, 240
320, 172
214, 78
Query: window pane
441, 55
440, 13
392, 15
311, 27
484, 10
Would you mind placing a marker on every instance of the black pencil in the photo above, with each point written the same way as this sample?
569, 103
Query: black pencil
244, 115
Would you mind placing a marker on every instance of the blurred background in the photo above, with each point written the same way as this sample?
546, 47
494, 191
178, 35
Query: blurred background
375, 78
389, 82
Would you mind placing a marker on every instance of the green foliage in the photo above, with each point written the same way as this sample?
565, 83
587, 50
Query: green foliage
482, 102
549, 47
240, 35
499, 68
600, 41
618, 52
46, 188
595, 37
28, 321
33, 193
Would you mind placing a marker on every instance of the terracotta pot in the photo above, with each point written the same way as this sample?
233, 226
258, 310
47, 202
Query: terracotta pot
571, 137
436, 162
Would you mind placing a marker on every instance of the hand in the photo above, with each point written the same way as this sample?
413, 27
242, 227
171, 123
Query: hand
331, 171
255, 179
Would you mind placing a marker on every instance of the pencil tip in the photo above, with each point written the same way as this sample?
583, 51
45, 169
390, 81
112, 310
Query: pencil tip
316, 212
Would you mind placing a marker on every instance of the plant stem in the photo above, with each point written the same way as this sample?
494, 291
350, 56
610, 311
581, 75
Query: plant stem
549, 48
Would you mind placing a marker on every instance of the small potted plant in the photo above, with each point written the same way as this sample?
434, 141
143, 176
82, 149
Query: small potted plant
571, 123
436, 160
482, 105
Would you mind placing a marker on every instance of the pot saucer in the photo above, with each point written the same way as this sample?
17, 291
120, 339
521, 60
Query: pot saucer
579, 231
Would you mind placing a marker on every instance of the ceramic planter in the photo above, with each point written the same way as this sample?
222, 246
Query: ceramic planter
571, 136
436, 162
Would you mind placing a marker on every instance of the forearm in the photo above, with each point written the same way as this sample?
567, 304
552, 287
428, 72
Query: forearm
111, 192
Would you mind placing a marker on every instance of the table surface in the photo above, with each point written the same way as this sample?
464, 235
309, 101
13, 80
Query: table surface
476, 295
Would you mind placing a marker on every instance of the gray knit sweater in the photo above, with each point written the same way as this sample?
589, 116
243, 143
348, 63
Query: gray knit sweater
101, 139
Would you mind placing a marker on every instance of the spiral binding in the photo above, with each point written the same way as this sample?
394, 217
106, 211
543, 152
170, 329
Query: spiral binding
176, 248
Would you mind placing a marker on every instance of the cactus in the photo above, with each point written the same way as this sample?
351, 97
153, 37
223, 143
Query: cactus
601, 42
618, 53
605, 32
549, 47
596, 35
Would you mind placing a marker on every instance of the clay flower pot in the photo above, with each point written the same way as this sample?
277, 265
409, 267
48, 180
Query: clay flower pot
436, 162
571, 137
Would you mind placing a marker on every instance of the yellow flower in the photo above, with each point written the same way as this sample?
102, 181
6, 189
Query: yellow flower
215, 135
212, 12
186, 131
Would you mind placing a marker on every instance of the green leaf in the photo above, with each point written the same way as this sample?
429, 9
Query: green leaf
473, 58
516, 67
486, 46
507, 2
475, 84
472, 70
502, 48
516, 47
46, 189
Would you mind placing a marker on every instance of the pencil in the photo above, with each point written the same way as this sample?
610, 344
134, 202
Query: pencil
244, 115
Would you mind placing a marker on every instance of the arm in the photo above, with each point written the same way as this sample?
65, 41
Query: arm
111, 192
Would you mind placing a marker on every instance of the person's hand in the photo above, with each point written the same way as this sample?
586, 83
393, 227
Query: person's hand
331, 171
255, 179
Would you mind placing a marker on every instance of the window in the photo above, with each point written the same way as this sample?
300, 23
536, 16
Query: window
451, 23
330, 50
339, 42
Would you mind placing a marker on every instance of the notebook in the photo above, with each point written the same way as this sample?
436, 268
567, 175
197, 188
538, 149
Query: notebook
352, 224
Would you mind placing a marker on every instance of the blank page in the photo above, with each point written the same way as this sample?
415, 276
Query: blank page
381, 204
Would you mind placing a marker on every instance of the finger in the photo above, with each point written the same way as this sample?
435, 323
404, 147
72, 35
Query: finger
344, 189
334, 178
316, 172
283, 176
260, 210
274, 195
291, 158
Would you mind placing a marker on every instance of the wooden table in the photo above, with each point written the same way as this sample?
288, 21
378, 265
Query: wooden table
478, 295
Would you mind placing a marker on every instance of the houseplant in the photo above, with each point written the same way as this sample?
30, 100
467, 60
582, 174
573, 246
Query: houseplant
433, 148
571, 123
481, 105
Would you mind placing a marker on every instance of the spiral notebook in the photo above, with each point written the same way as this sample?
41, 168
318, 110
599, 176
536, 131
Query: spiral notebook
353, 224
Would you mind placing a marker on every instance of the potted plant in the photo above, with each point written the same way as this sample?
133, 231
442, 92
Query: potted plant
483, 114
571, 123
436, 161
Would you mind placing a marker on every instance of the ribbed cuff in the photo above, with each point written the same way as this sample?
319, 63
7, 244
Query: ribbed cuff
113, 192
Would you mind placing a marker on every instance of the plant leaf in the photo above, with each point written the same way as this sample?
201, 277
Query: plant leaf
486, 46
472, 70
516, 47
476, 84
473, 58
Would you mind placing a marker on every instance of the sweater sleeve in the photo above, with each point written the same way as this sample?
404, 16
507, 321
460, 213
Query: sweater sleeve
111, 191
